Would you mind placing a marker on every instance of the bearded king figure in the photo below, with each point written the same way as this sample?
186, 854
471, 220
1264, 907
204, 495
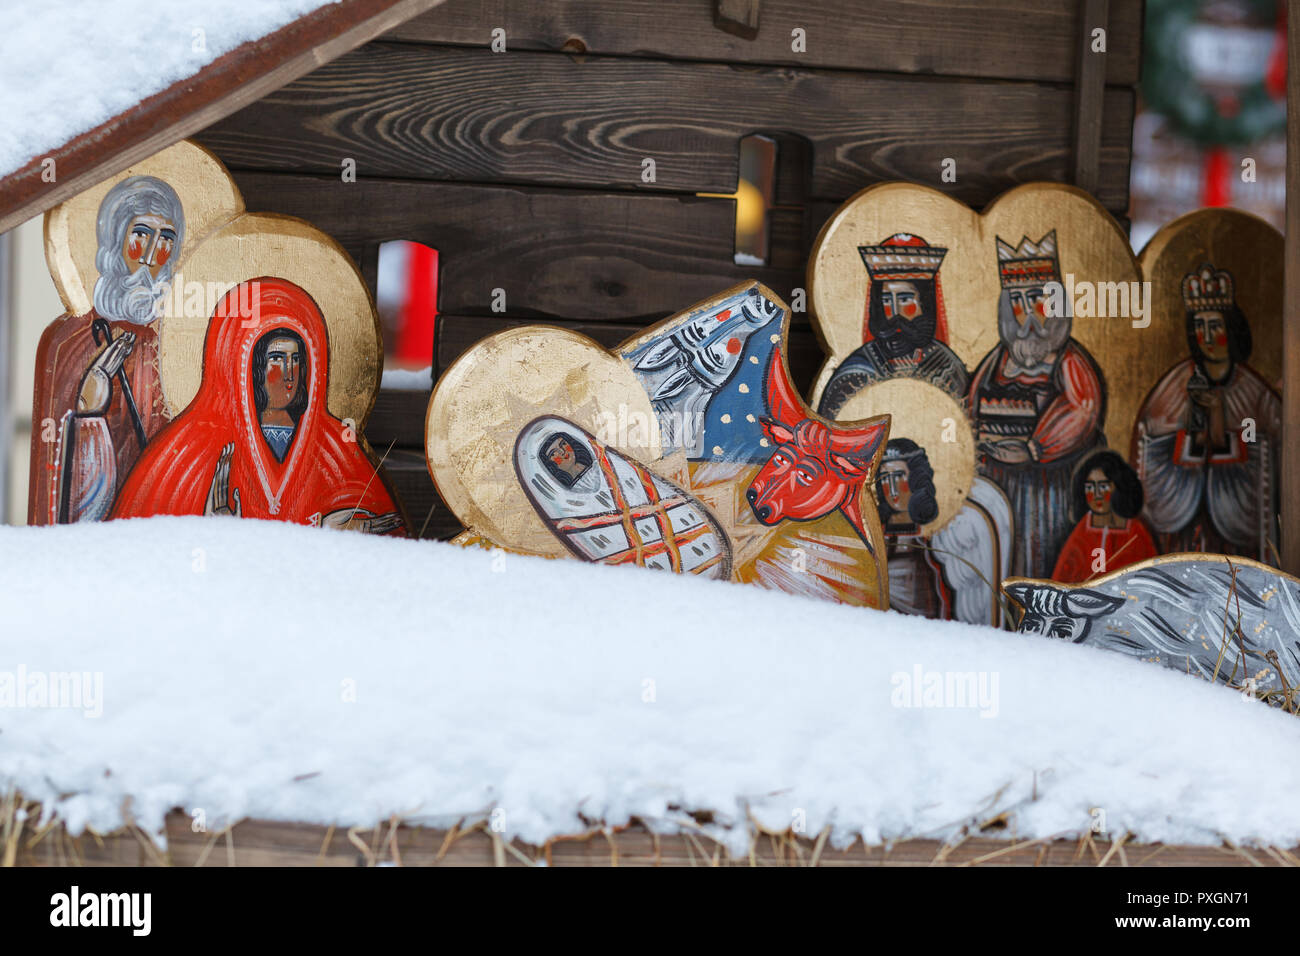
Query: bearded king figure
1038, 404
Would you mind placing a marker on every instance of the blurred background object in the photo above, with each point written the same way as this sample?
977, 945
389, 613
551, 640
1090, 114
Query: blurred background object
406, 296
1211, 126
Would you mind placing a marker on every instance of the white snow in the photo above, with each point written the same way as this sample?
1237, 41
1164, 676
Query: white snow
71, 65
405, 379
555, 689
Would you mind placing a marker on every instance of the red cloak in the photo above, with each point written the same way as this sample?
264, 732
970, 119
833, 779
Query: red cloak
324, 469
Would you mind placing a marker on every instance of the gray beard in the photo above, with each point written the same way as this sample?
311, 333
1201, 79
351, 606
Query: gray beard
131, 297
1031, 343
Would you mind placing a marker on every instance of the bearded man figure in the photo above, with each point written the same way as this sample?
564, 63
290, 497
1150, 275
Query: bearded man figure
1038, 404
98, 398
905, 331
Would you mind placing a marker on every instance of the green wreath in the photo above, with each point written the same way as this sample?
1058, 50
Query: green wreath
1169, 88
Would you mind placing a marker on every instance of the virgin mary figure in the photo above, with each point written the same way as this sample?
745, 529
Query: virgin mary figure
257, 441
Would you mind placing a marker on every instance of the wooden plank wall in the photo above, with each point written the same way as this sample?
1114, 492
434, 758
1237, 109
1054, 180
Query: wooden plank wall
524, 168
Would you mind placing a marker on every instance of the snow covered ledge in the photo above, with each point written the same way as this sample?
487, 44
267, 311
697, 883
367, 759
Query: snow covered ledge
246, 669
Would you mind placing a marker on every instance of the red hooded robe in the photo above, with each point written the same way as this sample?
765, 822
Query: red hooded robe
321, 472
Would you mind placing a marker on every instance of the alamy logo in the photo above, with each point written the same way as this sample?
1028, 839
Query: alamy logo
1099, 300
83, 690
959, 689
102, 909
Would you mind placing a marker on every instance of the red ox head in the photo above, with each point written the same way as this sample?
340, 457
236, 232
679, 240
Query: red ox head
816, 468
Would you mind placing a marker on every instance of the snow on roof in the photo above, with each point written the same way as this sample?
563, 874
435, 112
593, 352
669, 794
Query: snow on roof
251, 669
71, 65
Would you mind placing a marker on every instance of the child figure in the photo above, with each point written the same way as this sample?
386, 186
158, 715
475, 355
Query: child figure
1110, 535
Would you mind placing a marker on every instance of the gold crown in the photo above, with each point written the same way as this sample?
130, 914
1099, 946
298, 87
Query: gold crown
1207, 289
902, 256
1028, 264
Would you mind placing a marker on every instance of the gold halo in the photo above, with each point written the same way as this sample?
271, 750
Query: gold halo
260, 244
930, 417
1091, 246
1247, 247
838, 279
208, 197
490, 393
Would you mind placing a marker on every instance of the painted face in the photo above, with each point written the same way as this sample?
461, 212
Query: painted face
1097, 492
1027, 303
1211, 335
149, 243
1060, 627
561, 452
900, 299
283, 373
893, 487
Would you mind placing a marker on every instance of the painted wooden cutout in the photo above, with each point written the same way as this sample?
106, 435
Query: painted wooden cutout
1016, 331
611, 509
112, 252
948, 532
904, 329
206, 377
257, 440
1110, 534
1225, 619
1206, 438
703, 400
1037, 400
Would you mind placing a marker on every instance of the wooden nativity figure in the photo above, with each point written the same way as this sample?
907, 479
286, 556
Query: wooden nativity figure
257, 441
176, 388
1110, 534
1206, 438
905, 331
1038, 403
99, 400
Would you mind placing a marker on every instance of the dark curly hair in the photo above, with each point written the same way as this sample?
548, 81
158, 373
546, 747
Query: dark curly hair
1238, 330
1127, 498
299, 403
923, 507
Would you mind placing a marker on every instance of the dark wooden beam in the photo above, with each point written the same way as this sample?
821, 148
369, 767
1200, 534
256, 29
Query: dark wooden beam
1290, 491
567, 253
995, 39
227, 84
414, 111
1090, 93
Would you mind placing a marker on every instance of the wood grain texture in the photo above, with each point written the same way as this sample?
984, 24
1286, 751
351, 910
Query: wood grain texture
1090, 92
223, 86
455, 334
428, 112
398, 418
576, 254
1007, 39
1289, 494
270, 843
